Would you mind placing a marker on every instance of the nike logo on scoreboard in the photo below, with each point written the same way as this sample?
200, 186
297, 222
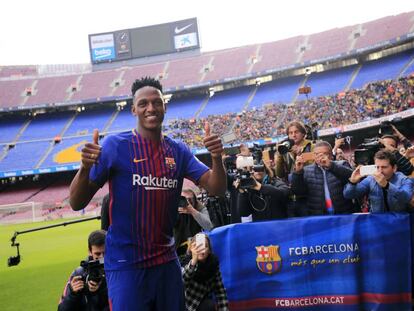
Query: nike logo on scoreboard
180, 30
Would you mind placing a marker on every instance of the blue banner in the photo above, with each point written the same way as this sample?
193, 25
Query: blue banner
350, 262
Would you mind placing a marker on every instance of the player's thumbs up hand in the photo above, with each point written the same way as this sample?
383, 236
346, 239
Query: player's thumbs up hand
207, 129
91, 151
95, 136
212, 142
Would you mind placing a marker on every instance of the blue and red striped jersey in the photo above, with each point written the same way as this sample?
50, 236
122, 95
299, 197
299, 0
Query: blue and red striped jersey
145, 180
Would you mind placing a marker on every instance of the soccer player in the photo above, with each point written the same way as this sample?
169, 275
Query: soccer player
145, 171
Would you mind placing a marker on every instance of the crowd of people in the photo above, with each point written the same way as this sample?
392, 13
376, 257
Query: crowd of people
375, 100
155, 257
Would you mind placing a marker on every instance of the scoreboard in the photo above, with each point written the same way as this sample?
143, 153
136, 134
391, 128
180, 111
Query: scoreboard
146, 41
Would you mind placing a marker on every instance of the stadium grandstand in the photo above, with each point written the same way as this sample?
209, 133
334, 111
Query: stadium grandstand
357, 76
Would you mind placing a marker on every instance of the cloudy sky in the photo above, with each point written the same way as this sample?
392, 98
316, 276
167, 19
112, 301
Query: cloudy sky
56, 32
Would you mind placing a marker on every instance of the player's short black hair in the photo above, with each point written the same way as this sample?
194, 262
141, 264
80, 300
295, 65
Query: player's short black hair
145, 81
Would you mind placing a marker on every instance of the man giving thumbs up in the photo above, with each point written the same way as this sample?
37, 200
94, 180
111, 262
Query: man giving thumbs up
145, 170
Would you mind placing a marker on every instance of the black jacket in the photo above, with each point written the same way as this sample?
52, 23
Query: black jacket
309, 183
84, 300
266, 204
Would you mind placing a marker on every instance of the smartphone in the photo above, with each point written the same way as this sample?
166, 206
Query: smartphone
366, 170
200, 239
308, 156
243, 162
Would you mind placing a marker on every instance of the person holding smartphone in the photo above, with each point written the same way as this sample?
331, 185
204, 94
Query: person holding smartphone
387, 189
202, 278
322, 183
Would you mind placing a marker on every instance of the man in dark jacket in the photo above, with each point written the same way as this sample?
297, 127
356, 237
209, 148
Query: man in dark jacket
266, 199
322, 183
87, 291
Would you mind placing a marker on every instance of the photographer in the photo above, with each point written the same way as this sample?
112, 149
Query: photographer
264, 198
390, 143
193, 217
294, 146
285, 158
387, 189
86, 290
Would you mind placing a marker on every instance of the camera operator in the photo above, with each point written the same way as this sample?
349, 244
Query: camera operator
387, 189
265, 198
86, 290
285, 162
322, 183
390, 143
231, 192
296, 145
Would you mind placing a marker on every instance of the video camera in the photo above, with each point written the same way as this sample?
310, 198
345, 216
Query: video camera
364, 153
285, 146
385, 127
93, 270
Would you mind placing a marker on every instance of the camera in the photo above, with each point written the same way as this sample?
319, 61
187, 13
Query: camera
258, 168
385, 127
13, 261
182, 201
285, 146
364, 153
246, 179
93, 270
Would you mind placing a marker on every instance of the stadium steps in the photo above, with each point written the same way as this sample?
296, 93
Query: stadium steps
295, 97
120, 78
298, 51
354, 75
256, 53
52, 143
202, 106
250, 98
78, 81
204, 73
34, 91
21, 131
110, 121
408, 65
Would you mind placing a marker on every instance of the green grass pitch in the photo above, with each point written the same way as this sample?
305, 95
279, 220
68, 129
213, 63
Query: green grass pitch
47, 259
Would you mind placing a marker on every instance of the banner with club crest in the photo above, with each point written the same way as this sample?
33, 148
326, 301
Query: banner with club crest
350, 262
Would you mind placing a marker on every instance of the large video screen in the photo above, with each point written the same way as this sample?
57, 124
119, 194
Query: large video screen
146, 41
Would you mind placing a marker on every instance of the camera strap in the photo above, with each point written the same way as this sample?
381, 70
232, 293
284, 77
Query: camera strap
260, 198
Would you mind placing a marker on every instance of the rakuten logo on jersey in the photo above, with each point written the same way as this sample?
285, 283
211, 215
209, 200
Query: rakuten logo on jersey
154, 183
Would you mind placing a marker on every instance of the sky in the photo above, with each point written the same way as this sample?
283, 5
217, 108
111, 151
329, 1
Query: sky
56, 32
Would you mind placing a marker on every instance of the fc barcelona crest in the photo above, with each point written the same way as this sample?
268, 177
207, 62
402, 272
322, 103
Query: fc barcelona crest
170, 162
268, 259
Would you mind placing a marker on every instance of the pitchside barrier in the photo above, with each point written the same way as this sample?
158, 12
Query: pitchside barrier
349, 262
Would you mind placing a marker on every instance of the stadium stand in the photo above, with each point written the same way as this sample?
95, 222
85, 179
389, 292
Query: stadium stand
327, 43
391, 28
95, 85
382, 69
339, 96
10, 126
12, 93
183, 108
227, 101
52, 90
279, 91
